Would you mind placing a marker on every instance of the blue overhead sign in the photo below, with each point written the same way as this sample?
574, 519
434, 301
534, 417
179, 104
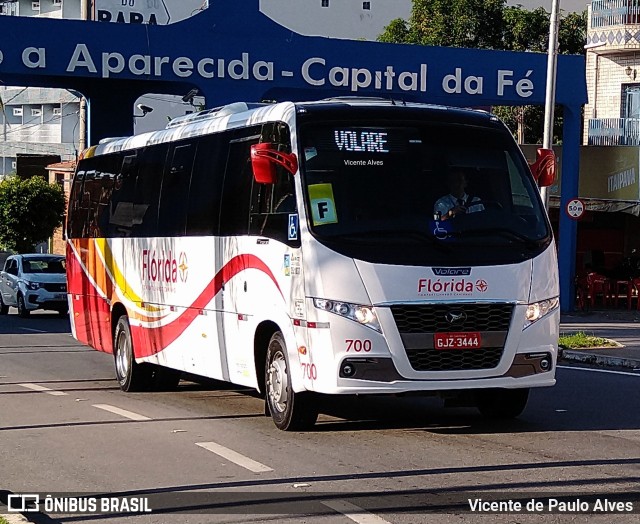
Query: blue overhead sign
230, 51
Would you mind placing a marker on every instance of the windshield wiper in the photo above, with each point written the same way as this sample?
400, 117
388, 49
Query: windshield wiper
502, 231
372, 235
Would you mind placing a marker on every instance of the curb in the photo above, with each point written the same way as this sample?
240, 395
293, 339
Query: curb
599, 360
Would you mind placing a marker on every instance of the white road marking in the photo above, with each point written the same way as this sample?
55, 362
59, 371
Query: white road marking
627, 373
353, 512
122, 412
235, 457
36, 387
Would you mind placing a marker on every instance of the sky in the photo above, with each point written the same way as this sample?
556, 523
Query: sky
565, 5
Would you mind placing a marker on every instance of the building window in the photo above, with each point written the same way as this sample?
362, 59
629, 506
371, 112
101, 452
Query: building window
57, 111
17, 111
630, 101
14, 164
36, 112
366, 6
35, 6
325, 3
57, 2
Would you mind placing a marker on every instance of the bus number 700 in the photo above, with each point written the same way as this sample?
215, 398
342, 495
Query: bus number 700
358, 345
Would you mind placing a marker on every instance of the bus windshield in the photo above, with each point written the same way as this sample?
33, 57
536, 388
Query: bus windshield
420, 192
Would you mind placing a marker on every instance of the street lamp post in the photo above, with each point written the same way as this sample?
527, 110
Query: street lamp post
550, 97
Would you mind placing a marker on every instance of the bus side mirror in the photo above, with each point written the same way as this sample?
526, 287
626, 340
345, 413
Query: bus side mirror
265, 157
544, 168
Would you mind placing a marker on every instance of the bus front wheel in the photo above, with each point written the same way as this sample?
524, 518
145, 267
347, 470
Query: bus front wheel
501, 403
131, 375
289, 410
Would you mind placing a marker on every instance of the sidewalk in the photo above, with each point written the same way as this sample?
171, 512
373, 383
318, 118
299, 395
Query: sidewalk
621, 326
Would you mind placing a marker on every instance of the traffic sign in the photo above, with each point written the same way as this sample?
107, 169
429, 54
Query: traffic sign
575, 208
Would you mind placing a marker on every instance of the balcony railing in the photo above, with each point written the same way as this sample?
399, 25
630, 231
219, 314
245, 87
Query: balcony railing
614, 132
605, 13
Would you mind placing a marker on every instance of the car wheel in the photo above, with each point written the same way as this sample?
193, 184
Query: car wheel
131, 375
22, 308
501, 403
4, 309
289, 410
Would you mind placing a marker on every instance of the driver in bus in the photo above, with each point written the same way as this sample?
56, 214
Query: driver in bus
457, 201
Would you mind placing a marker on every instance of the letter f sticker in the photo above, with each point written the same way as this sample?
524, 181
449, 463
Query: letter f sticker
323, 207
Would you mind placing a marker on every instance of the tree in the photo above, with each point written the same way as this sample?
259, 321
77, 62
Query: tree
491, 24
30, 211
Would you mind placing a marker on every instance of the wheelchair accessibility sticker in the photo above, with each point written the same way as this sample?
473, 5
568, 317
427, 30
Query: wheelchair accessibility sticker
293, 227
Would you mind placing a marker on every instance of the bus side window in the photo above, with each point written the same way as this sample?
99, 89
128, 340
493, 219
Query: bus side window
174, 195
121, 209
203, 208
74, 218
238, 181
147, 194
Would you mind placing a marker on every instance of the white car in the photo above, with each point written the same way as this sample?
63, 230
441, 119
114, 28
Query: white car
37, 281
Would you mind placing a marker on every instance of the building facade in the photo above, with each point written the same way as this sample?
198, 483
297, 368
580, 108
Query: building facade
36, 120
612, 116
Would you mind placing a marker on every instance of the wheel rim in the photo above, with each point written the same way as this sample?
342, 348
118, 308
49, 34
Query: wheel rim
123, 362
277, 382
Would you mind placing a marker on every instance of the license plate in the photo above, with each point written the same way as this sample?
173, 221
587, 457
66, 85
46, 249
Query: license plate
471, 340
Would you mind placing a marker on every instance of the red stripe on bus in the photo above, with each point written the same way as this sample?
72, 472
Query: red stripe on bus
149, 341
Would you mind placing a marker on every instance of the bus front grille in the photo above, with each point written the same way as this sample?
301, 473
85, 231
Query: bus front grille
417, 325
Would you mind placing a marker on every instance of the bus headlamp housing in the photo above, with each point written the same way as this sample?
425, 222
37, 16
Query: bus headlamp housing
538, 310
364, 315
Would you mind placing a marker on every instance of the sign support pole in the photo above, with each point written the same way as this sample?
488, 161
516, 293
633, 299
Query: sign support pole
550, 96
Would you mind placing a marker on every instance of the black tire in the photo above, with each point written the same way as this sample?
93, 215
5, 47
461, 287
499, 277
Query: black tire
131, 376
290, 411
501, 403
4, 309
23, 312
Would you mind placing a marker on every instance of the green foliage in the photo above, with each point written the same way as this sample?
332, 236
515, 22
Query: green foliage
526, 30
485, 24
30, 211
457, 23
582, 340
396, 32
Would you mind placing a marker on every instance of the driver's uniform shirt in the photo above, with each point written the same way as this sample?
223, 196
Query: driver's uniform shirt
448, 202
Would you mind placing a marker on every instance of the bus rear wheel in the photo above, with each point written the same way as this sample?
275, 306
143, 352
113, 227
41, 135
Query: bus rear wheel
131, 375
501, 403
289, 410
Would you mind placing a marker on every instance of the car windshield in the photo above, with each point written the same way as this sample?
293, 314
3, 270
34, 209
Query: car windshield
43, 265
384, 191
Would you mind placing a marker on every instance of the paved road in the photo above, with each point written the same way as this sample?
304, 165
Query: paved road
66, 428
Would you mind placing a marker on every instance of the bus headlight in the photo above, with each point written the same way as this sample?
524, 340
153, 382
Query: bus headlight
364, 315
538, 310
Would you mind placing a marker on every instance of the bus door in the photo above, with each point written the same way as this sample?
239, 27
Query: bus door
237, 259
